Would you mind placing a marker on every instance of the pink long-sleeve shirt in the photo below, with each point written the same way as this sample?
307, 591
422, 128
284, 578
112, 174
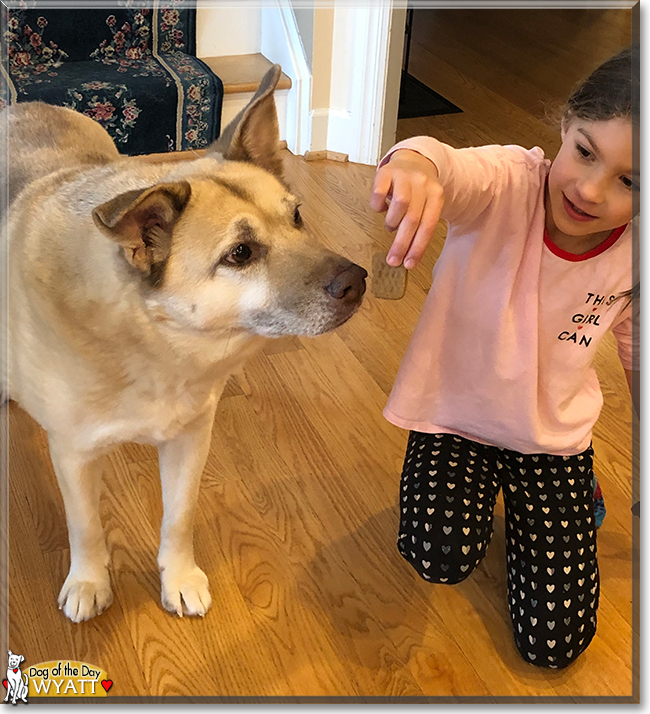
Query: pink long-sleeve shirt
502, 352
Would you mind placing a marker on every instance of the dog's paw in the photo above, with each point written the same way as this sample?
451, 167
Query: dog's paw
83, 599
185, 590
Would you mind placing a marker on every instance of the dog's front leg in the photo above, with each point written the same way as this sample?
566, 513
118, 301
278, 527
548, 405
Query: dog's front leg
184, 586
87, 589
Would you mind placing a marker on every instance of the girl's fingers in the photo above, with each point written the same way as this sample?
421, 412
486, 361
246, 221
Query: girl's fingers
424, 233
380, 189
414, 201
400, 201
407, 229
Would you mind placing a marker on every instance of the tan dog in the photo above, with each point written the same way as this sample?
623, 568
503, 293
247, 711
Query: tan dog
136, 289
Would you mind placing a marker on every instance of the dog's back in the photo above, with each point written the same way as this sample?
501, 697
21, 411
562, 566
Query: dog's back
41, 138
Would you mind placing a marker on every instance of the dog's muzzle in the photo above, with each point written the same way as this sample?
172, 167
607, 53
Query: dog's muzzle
349, 285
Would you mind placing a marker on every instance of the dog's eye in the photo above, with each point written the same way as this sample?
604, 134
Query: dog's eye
297, 218
239, 255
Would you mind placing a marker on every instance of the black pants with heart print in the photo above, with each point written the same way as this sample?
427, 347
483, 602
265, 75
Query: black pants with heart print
448, 491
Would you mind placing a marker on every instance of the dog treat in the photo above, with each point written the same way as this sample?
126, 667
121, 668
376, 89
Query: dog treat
387, 283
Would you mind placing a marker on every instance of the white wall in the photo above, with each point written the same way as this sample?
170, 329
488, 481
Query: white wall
225, 29
321, 77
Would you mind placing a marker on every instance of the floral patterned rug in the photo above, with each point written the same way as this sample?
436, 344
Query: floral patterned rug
131, 68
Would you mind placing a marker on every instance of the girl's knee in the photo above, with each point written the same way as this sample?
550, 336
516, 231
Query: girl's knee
554, 653
447, 495
446, 570
546, 647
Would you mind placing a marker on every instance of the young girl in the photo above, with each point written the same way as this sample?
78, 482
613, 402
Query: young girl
497, 387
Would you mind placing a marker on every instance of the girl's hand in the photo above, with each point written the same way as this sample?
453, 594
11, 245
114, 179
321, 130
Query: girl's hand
409, 184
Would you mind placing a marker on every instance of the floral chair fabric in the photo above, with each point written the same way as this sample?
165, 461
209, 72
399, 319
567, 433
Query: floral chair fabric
130, 67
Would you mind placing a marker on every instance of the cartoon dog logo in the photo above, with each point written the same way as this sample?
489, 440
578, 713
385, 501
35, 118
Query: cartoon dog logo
16, 681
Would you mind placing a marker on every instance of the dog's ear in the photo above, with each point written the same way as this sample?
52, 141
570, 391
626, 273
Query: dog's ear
9, 652
22, 658
141, 221
253, 135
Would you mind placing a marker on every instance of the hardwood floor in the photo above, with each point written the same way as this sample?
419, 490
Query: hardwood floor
508, 70
298, 512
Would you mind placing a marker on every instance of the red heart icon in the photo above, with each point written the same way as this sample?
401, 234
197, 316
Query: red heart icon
4, 682
107, 684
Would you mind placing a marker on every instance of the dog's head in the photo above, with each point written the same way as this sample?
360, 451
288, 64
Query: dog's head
14, 660
222, 244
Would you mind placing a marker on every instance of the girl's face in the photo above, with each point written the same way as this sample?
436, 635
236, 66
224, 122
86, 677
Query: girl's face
591, 182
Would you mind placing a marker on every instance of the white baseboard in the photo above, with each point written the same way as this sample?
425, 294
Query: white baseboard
325, 155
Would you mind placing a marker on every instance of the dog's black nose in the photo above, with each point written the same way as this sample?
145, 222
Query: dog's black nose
348, 285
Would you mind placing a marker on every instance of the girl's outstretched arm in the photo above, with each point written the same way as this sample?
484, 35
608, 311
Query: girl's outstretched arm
423, 180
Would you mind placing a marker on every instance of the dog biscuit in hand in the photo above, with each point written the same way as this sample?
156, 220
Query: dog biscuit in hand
388, 283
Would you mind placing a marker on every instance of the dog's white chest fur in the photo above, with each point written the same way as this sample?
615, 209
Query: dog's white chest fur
161, 404
155, 417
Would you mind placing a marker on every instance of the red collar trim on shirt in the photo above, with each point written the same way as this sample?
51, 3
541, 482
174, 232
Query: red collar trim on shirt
573, 257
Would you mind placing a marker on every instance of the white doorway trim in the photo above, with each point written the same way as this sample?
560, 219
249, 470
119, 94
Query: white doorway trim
281, 43
362, 102
364, 71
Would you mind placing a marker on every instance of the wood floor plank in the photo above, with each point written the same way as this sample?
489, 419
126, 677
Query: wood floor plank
321, 482
132, 535
566, 45
39, 543
31, 471
276, 512
105, 641
35, 622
